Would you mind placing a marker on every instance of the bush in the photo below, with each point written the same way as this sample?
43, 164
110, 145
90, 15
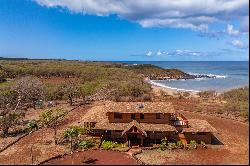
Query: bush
163, 145
73, 133
207, 94
85, 144
179, 144
172, 146
203, 144
239, 94
107, 145
193, 144
32, 125
245, 114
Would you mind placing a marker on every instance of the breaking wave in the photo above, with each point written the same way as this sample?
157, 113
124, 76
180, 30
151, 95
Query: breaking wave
208, 75
164, 86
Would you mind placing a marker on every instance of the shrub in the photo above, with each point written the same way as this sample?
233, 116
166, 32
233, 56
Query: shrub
193, 144
172, 146
179, 144
106, 145
207, 94
72, 133
9, 120
203, 144
51, 118
163, 145
85, 144
245, 114
32, 125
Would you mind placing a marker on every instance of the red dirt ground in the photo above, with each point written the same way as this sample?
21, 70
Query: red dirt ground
233, 134
42, 142
98, 157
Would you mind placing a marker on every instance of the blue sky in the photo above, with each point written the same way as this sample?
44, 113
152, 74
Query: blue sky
125, 30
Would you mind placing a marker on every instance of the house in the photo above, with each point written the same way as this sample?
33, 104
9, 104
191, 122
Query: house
144, 123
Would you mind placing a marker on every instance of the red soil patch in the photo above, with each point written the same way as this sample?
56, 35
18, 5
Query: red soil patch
42, 142
57, 80
95, 157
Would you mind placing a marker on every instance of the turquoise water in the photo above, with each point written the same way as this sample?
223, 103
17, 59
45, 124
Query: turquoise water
229, 74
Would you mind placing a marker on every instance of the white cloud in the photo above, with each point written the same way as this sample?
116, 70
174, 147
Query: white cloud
231, 31
185, 53
192, 14
239, 44
149, 53
159, 53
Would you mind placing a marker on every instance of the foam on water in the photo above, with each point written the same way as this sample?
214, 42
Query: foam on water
164, 86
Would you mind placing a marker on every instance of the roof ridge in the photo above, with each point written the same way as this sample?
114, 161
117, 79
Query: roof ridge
136, 124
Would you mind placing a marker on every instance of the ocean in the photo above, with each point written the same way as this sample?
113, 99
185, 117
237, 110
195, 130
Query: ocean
228, 74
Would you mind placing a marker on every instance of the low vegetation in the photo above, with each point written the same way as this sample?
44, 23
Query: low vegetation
111, 145
73, 134
237, 101
152, 71
77, 79
85, 144
52, 118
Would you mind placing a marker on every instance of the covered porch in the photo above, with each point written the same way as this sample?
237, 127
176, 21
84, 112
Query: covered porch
134, 134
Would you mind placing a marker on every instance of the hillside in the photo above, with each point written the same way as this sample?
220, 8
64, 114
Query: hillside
155, 72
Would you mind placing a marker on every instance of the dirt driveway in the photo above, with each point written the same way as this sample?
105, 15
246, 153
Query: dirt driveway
95, 157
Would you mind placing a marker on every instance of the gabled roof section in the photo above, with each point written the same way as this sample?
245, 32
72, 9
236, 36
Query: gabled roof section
134, 123
139, 107
198, 125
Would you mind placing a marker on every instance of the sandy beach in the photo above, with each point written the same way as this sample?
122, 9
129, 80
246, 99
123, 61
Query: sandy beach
157, 90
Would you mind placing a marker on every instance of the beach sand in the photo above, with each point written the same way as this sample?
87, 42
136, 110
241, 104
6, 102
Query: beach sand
157, 90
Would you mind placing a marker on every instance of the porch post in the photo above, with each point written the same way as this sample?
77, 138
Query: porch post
154, 137
141, 140
126, 138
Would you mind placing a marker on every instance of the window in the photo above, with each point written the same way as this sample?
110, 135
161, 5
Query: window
132, 116
141, 116
159, 116
118, 115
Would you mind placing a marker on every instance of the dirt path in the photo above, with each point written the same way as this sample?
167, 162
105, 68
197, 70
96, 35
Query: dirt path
95, 157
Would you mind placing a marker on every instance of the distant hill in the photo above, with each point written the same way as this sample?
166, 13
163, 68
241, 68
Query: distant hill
155, 72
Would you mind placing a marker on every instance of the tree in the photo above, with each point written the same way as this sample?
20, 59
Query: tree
32, 125
53, 91
8, 98
70, 89
29, 89
89, 88
9, 119
52, 118
73, 133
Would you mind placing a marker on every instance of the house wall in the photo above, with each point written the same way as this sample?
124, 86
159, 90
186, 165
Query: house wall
198, 137
159, 135
170, 135
148, 118
116, 134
